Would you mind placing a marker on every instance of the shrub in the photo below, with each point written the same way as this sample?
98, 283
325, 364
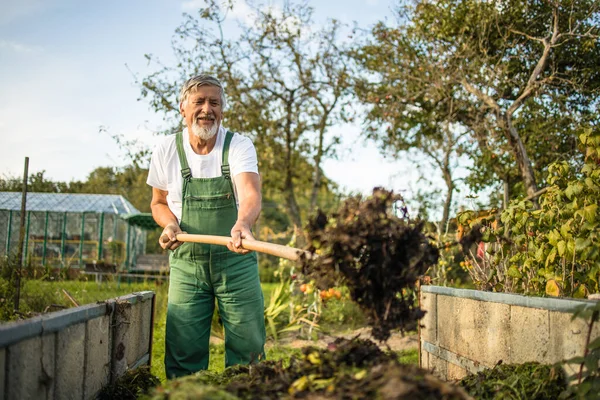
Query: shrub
553, 249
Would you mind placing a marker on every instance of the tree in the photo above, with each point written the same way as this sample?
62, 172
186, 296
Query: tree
404, 116
520, 76
36, 182
285, 81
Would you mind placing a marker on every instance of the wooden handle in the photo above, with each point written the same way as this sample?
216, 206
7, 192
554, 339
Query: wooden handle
289, 253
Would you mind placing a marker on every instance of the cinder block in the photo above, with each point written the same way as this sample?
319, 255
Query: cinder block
567, 338
429, 321
97, 365
455, 372
424, 359
438, 367
529, 335
145, 328
70, 365
474, 329
133, 333
121, 354
25, 377
2, 372
48, 364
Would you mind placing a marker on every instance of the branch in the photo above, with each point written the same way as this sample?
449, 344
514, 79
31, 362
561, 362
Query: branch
533, 83
482, 96
537, 39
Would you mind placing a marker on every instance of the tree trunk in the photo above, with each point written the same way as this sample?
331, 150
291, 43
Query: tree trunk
520, 153
448, 200
291, 203
506, 196
316, 184
288, 188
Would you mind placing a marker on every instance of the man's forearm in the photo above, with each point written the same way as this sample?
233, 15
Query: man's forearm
249, 210
163, 215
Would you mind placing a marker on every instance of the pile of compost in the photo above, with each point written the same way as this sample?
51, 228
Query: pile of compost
130, 386
378, 255
347, 369
531, 380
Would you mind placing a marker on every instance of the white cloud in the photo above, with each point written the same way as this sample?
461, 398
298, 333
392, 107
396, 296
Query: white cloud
18, 47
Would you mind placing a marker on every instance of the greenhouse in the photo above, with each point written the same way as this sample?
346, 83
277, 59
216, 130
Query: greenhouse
73, 230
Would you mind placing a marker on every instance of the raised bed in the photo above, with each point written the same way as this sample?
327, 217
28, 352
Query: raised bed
74, 353
465, 331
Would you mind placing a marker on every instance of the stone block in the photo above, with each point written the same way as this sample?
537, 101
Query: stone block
97, 360
429, 321
567, 338
122, 340
529, 335
145, 328
438, 367
455, 372
424, 362
48, 364
25, 378
70, 362
477, 330
134, 333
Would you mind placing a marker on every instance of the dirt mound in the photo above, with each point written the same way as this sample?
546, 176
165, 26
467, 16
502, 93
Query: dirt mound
347, 369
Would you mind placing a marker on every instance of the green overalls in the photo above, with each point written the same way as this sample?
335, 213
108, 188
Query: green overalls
200, 273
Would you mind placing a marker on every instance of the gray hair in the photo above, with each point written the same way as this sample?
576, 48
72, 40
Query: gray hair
192, 84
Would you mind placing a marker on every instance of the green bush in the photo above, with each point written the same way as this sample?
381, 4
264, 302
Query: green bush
532, 381
553, 249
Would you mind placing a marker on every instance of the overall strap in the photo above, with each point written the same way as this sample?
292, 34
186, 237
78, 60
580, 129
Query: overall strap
225, 171
186, 173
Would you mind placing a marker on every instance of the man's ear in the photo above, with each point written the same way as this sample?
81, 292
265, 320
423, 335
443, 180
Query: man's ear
181, 111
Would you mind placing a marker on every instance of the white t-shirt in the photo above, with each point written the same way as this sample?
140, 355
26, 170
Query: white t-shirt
165, 169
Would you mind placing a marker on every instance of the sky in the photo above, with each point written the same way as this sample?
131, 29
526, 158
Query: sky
67, 78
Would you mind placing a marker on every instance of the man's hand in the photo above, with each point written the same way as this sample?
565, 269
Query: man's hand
168, 238
239, 232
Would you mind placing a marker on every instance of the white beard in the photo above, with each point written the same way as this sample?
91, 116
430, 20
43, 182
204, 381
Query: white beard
204, 133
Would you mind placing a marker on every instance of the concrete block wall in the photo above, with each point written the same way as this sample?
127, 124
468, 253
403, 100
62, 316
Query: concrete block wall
70, 354
466, 331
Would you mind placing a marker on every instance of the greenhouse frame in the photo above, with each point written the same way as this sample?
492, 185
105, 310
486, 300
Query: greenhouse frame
65, 230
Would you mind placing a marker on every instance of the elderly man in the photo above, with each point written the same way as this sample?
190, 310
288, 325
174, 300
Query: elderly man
205, 181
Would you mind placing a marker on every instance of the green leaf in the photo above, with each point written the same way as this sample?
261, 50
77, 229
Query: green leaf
565, 230
539, 254
553, 237
569, 192
514, 272
582, 243
562, 247
589, 182
581, 292
589, 212
551, 256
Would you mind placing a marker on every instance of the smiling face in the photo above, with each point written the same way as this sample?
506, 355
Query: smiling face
202, 111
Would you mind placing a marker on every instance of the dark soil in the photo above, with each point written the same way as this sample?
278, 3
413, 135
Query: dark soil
347, 369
